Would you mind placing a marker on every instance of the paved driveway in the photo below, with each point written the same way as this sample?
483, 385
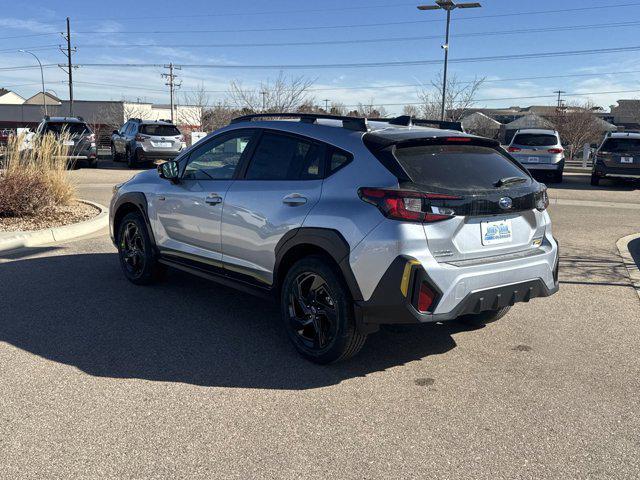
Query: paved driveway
188, 379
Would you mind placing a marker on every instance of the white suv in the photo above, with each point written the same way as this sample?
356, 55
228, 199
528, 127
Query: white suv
348, 224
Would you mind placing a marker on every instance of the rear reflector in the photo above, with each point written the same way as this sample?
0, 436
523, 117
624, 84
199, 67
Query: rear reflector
425, 297
513, 149
457, 139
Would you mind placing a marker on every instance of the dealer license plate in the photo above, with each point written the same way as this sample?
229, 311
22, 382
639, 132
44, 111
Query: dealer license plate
497, 231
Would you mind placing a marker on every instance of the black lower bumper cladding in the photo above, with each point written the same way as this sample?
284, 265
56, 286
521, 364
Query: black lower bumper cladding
388, 305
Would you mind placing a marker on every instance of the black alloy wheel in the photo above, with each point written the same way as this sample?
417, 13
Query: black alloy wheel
132, 249
137, 256
312, 311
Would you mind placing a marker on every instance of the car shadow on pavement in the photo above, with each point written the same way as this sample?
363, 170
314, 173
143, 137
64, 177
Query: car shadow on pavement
79, 310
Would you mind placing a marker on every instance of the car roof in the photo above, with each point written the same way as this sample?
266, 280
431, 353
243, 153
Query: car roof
540, 131
624, 135
64, 120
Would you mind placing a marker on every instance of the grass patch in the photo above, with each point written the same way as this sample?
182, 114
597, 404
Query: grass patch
35, 180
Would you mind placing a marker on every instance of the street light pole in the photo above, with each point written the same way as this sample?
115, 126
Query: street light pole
44, 95
447, 5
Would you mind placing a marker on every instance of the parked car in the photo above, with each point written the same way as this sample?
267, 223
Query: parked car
539, 151
617, 157
139, 141
78, 137
348, 224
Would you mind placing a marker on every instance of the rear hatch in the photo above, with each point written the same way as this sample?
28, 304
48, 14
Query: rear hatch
532, 148
76, 135
488, 201
620, 153
160, 137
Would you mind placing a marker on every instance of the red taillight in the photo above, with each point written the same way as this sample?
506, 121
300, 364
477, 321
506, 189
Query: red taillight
555, 150
513, 149
457, 139
425, 297
141, 138
406, 204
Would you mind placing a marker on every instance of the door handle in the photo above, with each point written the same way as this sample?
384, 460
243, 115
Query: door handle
294, 199
213, 199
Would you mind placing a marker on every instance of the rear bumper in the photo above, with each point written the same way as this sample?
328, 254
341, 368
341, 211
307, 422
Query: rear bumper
145, 155
388, 304
544, 167
602, 170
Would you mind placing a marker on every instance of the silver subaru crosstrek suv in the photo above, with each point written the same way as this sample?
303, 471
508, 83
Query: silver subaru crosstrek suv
348, 224
139, 141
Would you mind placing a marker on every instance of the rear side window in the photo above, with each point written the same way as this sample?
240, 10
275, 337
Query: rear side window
160, 130
338, 160
535, 140
457, 167
621, 145
72, 128
279, 157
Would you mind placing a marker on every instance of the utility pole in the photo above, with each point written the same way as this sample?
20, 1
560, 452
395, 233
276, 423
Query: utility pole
559, 92
68, 68
447, 5
326, 105
172, 84
264, 97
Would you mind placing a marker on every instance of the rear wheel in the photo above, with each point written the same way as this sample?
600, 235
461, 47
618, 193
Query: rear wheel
135, 251
557, 177
115, 156
482, 318
595, 180
317, 312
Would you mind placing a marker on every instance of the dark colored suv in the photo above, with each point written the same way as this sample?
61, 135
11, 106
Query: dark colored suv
617, 157
77, 136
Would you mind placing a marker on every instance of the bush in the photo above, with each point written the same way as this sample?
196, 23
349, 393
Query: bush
34, 179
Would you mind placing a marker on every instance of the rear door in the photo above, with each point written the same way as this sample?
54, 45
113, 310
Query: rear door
495, 207
281, 184
622, 153
532, 148
188, 213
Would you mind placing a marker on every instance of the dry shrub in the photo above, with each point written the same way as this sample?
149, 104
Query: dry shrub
34, 179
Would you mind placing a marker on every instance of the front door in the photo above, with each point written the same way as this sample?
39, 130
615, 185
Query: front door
188, 213
282, 183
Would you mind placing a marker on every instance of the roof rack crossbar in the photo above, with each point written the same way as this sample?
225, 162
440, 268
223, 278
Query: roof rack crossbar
352, 123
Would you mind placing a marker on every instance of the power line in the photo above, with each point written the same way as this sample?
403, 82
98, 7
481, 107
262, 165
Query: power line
561, 28
361, 25
405, 63
33, 48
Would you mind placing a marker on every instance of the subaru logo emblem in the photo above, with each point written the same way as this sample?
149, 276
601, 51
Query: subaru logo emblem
505, 203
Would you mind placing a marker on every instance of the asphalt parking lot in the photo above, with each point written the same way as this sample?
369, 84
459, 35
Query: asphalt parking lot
189, 379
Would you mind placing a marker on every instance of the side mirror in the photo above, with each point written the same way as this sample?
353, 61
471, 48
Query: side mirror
169, 170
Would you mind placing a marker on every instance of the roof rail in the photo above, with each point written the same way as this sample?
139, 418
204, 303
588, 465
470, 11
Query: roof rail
352, 123
408, 121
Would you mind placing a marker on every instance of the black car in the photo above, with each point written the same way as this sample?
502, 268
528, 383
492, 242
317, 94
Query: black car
617, 157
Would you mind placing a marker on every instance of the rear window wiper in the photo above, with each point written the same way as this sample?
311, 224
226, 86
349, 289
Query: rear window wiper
509, 181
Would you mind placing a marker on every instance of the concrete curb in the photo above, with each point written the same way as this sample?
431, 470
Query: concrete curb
57, 234
632, 267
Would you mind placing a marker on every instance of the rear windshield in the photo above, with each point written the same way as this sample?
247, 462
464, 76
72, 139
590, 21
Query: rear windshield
458, 167
73, 128
621, 145
160, 130
535, 139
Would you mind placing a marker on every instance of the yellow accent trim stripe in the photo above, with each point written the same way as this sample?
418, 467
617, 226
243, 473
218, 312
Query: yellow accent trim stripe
406, 275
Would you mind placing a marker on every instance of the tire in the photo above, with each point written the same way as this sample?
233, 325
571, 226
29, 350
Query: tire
94, 163
557, 177
115, 156
595, 180
482, 318
132, 159
135, 251
319, 322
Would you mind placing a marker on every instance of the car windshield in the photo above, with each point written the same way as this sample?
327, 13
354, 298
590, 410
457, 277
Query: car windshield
70, 128
616, 145
535, 139
459, 167
159, 130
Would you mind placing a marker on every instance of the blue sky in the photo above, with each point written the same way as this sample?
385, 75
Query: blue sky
101, 31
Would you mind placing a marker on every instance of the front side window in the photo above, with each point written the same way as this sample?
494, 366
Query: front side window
279, 157
217, 159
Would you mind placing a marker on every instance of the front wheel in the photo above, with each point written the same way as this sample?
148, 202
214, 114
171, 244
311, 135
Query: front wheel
482, 318
595, 180
132, 159
317, 312
135, 250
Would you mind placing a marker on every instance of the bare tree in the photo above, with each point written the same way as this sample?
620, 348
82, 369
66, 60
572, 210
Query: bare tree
284, 94
577, 125
218, 116
198, 98
338, 108
411, 110
460, 97
369, 110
